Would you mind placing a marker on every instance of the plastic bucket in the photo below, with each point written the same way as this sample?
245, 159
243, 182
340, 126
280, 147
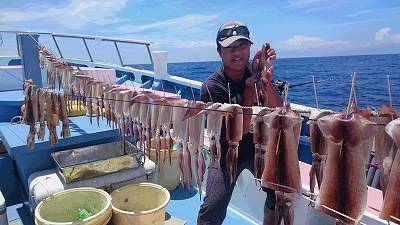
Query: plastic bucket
63, 207
169, 174
139, 204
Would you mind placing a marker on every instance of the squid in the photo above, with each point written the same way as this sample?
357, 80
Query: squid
391, 203
42, 111
196, 133
126, 110
344, 187
29, 112
260, 65
144, 120
234, 131
118, 112
97, 93
260, 140
155, 128
124, 115
319, 149
384, 145
52, 117
165, 122
82, 87
63, 116
107, 101
282, 172
88, 99
134, 112
178, 134
214, 125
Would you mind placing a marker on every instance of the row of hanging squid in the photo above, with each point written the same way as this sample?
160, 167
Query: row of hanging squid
340, 142
147, 116
44, 107
341, 146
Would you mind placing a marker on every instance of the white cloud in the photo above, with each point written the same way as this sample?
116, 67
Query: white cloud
75, 14
382, 34
194, 44
356, 22
179, 23
358, 13
303, 42
396, 38
385, 35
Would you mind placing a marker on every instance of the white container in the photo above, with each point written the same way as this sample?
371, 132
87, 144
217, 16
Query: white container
3, 210
42, 184
160, 64
140, 204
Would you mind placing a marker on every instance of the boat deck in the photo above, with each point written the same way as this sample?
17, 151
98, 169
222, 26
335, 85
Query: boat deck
183, 208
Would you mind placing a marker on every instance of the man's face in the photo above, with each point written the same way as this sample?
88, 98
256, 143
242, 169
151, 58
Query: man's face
236, 55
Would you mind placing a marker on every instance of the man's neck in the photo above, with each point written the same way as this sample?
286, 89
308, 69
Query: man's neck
234, 75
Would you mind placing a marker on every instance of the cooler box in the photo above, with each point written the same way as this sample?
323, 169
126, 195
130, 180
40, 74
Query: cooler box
45, 183
3, 210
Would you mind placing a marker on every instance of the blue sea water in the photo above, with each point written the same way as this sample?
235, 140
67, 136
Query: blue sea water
332, 72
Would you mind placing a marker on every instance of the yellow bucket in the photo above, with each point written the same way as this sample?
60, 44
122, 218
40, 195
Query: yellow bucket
63, 208
139, 204
168, 175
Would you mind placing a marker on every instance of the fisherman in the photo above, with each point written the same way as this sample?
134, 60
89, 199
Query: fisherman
235, 80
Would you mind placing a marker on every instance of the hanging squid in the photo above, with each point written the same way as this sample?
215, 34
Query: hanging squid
391, 203
344, 187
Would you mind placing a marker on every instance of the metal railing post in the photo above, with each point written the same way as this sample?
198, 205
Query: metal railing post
58, 48
151, 57
119, 54
87, 49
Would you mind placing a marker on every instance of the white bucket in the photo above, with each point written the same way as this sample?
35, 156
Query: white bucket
140, 204
3, 210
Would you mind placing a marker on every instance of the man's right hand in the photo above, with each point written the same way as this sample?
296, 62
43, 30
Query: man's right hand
263, 59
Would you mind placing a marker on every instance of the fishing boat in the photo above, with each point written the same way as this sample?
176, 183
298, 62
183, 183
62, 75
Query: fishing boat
21, 166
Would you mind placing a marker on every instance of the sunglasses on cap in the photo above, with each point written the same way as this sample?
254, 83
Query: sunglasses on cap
235, 31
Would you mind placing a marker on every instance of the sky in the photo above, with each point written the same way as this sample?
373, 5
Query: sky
187, 29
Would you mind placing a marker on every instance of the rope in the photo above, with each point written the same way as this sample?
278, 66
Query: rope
177, 106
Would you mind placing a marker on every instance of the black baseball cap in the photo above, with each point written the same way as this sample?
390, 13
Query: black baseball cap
232, 31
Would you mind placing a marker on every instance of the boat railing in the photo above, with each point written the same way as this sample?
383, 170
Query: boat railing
84, 39
122, 66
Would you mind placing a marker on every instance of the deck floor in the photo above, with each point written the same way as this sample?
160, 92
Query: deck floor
183, 206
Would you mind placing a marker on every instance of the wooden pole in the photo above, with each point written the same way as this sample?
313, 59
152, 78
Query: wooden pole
389, 90
315, 92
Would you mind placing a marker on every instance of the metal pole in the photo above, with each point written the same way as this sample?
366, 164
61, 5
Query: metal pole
151, 57
119, 54
315, 92
58, 48
87, 49
18, 44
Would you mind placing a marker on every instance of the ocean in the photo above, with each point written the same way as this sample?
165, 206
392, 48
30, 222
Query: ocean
332, 75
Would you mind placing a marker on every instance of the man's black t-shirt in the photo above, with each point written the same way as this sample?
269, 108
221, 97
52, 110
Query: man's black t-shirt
217, 84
